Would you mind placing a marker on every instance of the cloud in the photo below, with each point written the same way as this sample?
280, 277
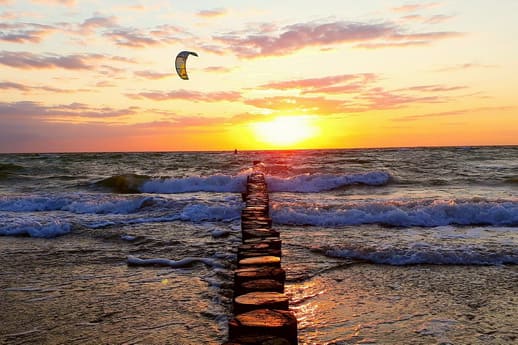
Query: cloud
434, 88
152, 75
27, 60
186, 95
97, 22
28, 88
415, 7
330, 84
298, 36
75, 110
140, 38
295, 37
464, 66
457, 112
59, 2
217, 69
24, 32
300, 105
217, 12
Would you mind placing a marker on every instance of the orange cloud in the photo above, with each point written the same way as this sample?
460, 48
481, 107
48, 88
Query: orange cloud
186, 95
415, 7
218, 12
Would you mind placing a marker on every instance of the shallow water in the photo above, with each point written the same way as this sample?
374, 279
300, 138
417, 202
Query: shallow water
382, 246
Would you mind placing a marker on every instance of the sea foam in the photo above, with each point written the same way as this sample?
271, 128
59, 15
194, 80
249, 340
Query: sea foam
424, 213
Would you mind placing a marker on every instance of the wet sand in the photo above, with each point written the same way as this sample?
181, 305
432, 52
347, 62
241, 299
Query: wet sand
77, 289
425, 304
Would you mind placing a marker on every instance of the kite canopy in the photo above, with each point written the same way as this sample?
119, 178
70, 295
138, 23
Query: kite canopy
180, 61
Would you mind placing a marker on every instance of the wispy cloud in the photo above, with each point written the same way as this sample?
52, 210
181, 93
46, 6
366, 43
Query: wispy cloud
76, 110
27, 60
29, 88
456, 112
298, 36
330, 84
217, 12
433, 88
53, 2
152, 75
139, 38
217, 69
186, 95
415, 7
97, 22
464, 66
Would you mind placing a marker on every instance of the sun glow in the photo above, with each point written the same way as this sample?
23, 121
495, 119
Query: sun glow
285, 130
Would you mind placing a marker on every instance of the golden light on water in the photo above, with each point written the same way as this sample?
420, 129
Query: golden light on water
285, 131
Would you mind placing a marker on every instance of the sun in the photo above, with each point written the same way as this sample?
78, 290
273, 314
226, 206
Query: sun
285, 130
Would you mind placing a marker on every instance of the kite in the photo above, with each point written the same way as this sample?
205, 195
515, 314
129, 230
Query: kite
180, 61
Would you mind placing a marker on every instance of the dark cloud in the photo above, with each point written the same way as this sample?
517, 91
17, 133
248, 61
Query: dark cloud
186, 95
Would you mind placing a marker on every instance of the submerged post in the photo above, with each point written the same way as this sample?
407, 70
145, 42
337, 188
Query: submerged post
261, 309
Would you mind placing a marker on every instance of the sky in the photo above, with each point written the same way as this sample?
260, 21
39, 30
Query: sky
99, 75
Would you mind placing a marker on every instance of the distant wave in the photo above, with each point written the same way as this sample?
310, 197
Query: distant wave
75, 203
127, 183
51, 216
8, 169
214, 183
311, 183
426, 213
306, 183
43, 227
435, 256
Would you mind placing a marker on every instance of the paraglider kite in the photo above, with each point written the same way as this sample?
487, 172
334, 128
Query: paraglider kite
180, 61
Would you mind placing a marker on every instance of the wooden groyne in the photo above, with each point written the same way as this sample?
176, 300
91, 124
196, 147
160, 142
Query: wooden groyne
260, 307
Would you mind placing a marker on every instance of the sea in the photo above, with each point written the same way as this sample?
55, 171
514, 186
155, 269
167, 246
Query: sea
76, 225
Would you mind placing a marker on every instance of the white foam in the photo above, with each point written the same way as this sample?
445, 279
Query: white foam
311, 183
34, 227
213, 183
75, 203
425, 213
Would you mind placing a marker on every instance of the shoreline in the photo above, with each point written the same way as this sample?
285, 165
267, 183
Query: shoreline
60, 292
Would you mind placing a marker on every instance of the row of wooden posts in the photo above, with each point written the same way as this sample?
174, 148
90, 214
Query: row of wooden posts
260, 307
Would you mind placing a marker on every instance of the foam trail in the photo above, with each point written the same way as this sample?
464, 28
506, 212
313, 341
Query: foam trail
133, 260
419, 256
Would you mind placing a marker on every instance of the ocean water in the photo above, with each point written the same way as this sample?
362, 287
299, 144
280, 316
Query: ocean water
396, 207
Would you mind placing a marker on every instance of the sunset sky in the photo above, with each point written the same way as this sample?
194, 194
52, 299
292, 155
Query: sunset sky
99, 75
